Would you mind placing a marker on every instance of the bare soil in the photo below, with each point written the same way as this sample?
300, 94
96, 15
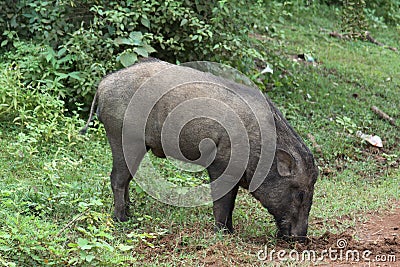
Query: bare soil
374, 241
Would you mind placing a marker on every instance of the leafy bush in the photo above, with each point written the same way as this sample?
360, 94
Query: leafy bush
36, 107
81, 41
354, 22
389, 10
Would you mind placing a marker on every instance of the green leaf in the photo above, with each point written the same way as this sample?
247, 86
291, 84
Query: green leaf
136, 37
120, 41
141, 51
123, 247
4, 43
149, 48
61, 75
13, 22
89, 258
72, 245
183, 22
64, 59
145, 22
75, 75
105, 235
86, 247
82, 241
49, 57
128, 59
61, 52
84, 244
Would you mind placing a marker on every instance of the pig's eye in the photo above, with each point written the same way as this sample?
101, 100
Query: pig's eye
300, 196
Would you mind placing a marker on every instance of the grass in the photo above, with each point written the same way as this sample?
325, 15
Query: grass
56, 202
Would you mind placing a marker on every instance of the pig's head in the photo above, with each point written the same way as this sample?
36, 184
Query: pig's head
287, 191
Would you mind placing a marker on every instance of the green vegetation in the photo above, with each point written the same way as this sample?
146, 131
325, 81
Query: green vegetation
55, 196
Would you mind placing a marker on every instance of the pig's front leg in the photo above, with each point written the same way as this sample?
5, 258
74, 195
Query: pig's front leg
222, 207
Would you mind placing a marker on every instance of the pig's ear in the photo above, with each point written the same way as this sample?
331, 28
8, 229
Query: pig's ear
286, 163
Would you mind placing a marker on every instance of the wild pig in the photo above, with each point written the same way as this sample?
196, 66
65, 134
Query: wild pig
229, 128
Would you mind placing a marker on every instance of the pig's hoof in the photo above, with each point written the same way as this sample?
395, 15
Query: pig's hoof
219, 228
123, 218
127, 213
293, 239
299, 239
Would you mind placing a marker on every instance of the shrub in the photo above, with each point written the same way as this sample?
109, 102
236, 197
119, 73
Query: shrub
354, 22
81, 41
389, 10
36, 107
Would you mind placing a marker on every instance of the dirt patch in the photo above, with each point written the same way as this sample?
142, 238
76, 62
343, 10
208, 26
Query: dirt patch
374, 241
380, 227
344, 249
